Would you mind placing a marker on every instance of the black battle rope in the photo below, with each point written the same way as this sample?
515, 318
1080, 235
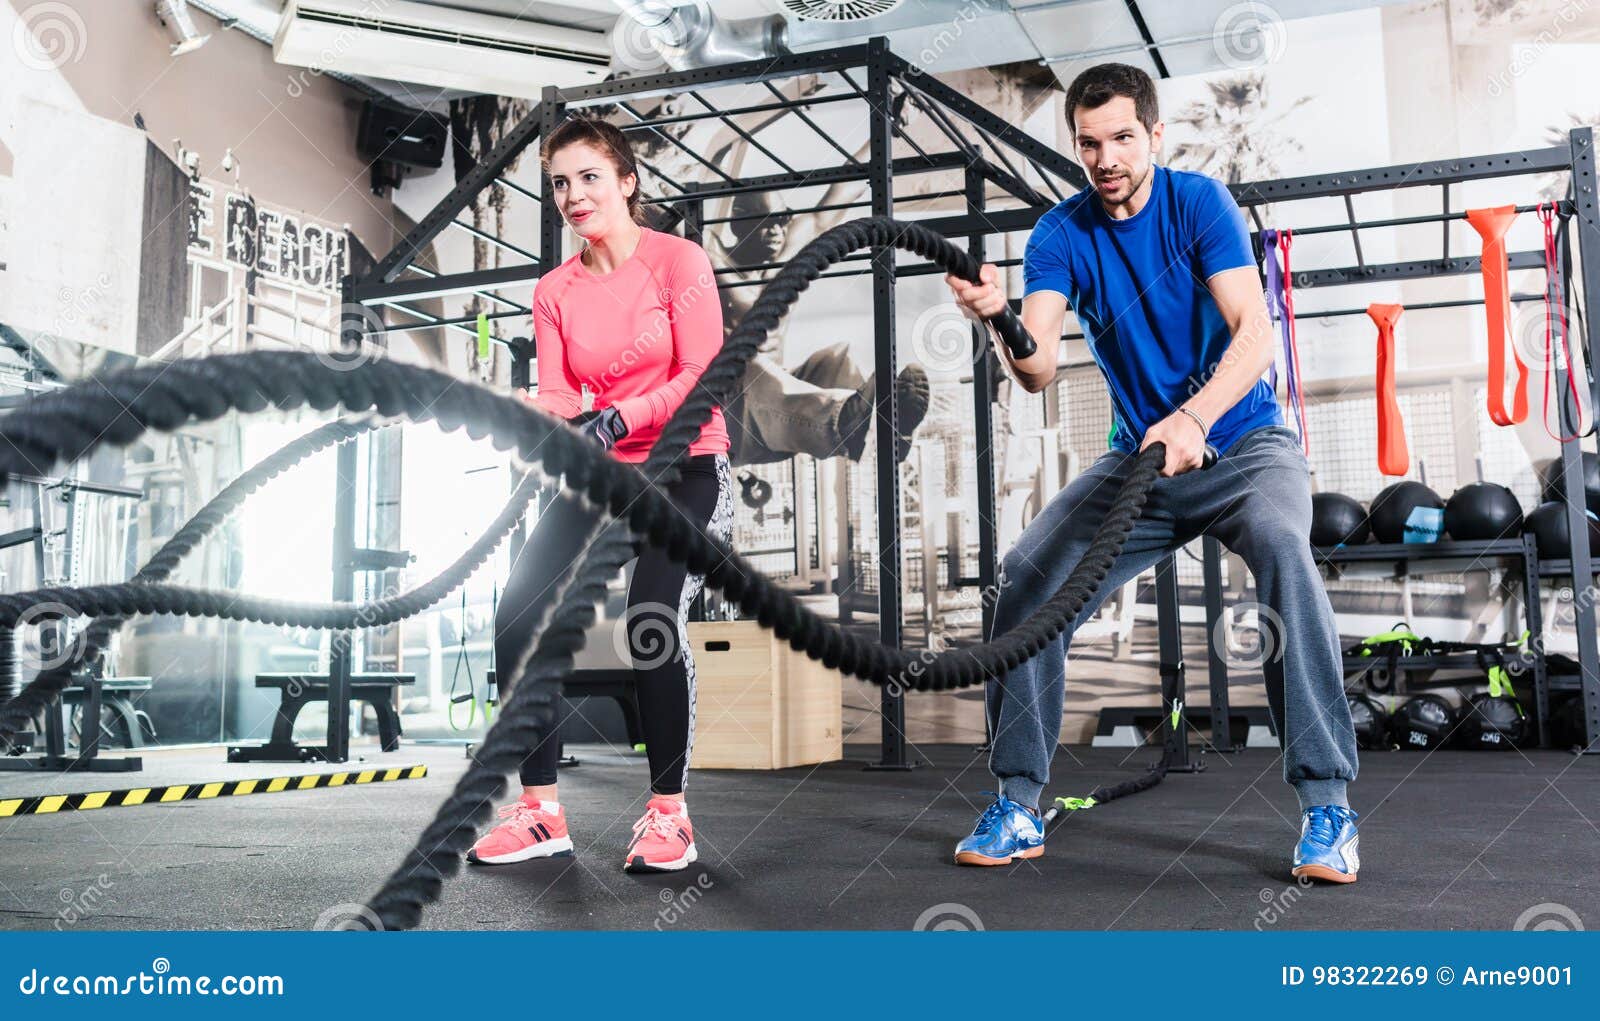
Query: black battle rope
47, 686
613, 485
111, 605
117, 408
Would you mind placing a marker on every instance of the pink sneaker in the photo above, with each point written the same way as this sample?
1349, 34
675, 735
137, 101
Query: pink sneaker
663, 841
536, 830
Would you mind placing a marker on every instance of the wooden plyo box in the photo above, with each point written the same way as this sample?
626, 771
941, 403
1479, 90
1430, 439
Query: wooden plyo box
759, 703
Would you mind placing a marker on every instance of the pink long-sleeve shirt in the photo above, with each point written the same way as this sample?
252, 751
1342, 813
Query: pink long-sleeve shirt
638, 338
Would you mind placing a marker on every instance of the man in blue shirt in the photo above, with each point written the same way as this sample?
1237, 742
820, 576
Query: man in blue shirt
1157, 265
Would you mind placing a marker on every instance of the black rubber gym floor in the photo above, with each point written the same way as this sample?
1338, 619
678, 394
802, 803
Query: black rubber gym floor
1449, 840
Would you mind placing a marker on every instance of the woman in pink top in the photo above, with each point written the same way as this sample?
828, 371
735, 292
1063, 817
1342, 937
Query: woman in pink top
634, 319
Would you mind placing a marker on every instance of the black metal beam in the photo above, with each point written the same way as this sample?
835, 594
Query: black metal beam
550, 248
747, 136
639, 117
912, 77
462, 323
1400, 221
449, 283
1013, 185
508, 183
732, 111
1217, 667
1161, 69
1412, 306
1169, 642
1403, 175
922, 196
893, 754
805, 119
1355, 230
944, 124
992, 221
460, 197
492, 239
1533, 620
428, 274
1416, 269
340, 664
899, 132
697, 190
1586, 220
719, 75
983, 429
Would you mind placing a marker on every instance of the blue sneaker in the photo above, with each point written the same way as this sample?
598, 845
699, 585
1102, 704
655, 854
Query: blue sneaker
1327, 848
1005, 832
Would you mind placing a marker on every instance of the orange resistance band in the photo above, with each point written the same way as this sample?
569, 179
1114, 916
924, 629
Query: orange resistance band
1491, 225
1393, 459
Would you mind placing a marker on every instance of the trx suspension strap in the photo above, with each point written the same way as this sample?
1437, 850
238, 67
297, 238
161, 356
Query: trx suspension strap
1280, 302
1491, 225
1393, 458
1555, 322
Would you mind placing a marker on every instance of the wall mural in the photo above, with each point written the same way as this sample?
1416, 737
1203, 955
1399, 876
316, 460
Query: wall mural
234, 227
1239, 134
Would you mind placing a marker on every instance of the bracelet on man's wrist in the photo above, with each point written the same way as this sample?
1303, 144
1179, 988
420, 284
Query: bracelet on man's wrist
1205, 430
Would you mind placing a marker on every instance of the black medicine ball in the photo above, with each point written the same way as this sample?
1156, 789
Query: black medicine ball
1493, 722
1371, 721
1566, 723
1392, 507
1422, 723
1482, 510
1548, 523
1550, 481
1337, 520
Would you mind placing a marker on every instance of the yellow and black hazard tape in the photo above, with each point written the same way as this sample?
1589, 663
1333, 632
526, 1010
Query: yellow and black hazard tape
46, 804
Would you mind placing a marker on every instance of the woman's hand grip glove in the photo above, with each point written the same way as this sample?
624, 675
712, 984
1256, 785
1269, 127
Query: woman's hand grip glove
605, 427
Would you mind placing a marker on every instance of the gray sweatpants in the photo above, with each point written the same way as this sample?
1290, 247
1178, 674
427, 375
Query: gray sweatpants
1257, 501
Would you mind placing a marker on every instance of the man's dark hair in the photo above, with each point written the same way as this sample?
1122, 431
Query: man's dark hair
1104, 82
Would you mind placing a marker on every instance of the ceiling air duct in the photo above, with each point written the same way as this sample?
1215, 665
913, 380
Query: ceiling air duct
653, 33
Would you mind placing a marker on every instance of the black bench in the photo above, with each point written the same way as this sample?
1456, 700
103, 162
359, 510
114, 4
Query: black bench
377, 690
117, 694
93, 696
616, 684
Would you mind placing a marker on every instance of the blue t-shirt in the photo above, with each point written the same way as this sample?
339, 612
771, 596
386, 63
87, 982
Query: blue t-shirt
1138, 287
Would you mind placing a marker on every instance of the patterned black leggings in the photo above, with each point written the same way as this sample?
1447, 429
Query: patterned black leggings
652, 629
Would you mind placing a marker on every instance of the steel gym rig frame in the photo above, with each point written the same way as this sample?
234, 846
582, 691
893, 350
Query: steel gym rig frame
1577, 158
987, 151
983, 147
